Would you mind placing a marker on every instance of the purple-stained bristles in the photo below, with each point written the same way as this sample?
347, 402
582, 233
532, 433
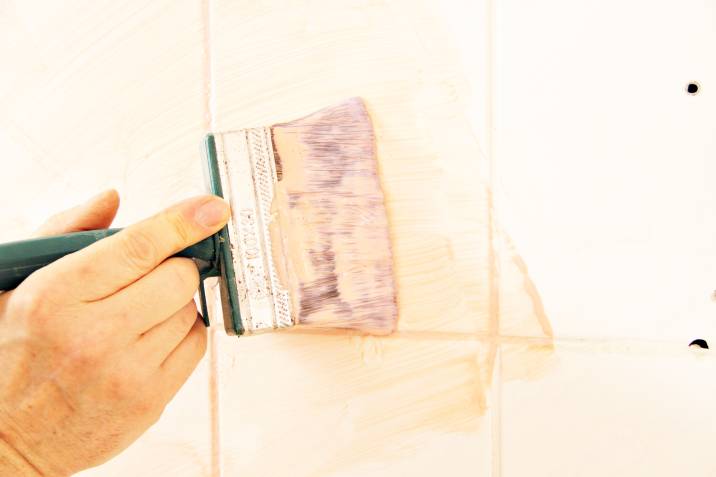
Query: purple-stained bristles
329, 227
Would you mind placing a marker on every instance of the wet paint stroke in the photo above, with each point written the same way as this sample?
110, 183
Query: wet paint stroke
376, 405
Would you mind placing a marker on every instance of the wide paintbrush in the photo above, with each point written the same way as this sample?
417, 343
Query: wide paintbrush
309, 230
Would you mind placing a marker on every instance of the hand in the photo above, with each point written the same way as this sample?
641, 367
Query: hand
94, 345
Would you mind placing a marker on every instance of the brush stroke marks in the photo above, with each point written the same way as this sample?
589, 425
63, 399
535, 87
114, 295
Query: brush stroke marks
309, 402
336, 403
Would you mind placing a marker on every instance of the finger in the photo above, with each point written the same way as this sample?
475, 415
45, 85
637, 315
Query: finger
114, 262
182, 361
4, 298
96, 213
158, 343
157, 295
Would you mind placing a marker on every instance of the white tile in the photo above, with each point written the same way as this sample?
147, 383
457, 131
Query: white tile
468, 31
611, 409
605, 165
103, 94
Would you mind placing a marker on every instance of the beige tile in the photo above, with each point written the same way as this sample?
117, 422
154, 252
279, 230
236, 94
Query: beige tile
337, 404
274, 63
611, 409
20, 183
340, 405
102, 94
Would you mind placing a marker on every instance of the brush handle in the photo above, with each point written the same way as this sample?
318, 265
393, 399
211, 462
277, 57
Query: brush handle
19, 259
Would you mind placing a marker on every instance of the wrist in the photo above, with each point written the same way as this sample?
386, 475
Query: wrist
13, 462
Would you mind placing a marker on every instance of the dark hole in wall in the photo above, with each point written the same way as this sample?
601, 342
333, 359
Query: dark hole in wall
692, 88
700, 343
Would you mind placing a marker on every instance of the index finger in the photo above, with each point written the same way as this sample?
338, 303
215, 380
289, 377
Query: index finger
117, 261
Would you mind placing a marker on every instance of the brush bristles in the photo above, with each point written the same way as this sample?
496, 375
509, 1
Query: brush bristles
329, 227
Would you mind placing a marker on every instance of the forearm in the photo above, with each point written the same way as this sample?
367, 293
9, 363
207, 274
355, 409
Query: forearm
13, 463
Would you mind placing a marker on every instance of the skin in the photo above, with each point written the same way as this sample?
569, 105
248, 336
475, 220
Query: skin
94, 346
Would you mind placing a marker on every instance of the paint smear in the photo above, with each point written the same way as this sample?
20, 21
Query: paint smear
329, 403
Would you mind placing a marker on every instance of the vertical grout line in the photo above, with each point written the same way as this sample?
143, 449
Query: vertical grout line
490, 12
214, 405
494, 292
496, 416
209, 99
209, 123
494, 326
206, 67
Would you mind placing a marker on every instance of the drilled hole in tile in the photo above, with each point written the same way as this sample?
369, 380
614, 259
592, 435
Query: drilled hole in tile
700, 343
692, 88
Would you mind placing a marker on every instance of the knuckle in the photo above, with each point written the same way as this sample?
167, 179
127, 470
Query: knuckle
185, 275
33, 303
84, 269
188, 316
55, 221
181, 324
145, 405
198, 339
140, 251
80, 355
179, 227
123, 387
153, 411
28, 302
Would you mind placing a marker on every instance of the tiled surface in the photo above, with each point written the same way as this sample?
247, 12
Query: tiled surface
609, 409
605, 165
99, 94
360, 406
433, 172
600, 226
340, 405
179, 445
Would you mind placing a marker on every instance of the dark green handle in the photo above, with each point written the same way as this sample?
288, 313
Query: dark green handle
19, 259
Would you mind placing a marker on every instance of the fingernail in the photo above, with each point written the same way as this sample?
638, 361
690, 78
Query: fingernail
212, 213
101, 196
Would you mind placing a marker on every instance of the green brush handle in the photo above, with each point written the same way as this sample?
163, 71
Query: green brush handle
19, 259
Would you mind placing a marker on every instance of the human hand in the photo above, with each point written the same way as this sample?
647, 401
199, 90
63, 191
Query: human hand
94, 345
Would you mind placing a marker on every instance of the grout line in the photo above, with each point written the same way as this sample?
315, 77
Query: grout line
214, 405
490, 88
214, 376
496, 417
212, 84
495, 332
494, 285
485, 336
209, 123
208, 65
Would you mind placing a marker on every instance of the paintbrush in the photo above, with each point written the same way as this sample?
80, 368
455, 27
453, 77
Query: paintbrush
307, 243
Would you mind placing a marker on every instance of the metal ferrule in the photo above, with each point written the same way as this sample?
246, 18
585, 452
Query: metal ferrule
248, 174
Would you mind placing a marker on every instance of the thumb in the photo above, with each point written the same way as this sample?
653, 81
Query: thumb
96, 213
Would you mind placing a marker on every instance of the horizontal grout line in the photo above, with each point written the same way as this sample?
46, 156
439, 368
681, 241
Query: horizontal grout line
490, 338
